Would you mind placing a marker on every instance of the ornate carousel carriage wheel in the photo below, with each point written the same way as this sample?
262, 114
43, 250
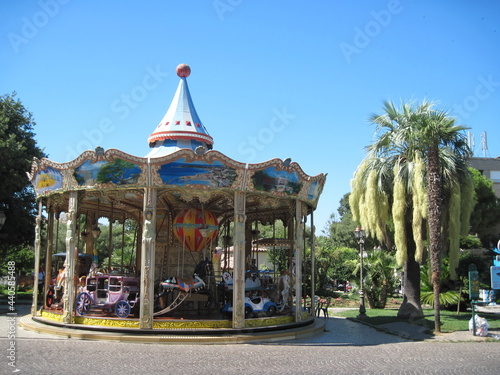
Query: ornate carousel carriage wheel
122, 309
83, 303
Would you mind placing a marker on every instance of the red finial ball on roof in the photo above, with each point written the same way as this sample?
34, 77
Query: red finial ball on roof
183, 70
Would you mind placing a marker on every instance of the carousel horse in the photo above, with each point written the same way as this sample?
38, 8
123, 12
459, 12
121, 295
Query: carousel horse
184, 287
61, 276
191, 284
204, 268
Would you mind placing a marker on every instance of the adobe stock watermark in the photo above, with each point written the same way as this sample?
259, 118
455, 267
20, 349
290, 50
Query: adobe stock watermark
223, 6
122, 107
32, 25
364, 36
265, 136
11, 316
484, 89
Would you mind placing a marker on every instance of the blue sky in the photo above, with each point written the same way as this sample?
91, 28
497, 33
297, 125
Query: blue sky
269, 79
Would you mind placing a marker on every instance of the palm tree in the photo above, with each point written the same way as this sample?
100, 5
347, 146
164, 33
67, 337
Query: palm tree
414, 169
378, 276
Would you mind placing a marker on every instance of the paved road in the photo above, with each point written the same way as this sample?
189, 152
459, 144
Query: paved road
345, 348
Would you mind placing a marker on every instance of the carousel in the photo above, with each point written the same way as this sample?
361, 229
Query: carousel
193, 209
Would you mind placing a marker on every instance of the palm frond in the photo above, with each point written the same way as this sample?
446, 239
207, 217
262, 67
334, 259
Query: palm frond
450, 297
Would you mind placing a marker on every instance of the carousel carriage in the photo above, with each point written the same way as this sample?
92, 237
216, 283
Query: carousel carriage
109, 293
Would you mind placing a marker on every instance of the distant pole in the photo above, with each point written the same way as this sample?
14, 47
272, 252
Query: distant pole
473, 292
360, 235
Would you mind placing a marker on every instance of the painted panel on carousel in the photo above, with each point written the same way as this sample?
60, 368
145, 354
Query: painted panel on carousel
118, 172
277, 181
314, 191
47, 180
182, 173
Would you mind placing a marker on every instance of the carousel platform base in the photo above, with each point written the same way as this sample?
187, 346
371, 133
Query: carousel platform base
291, 331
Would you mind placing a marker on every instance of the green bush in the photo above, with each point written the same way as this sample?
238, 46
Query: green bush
446, 299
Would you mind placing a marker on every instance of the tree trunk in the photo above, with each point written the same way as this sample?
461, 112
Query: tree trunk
434, 217
383, 295
459, 298
370, 299
411, 308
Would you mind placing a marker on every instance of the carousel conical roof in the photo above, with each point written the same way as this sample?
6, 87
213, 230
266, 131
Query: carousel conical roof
181, 126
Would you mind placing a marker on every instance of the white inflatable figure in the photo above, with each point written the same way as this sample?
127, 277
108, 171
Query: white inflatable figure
284, 284
93, 269
251, 283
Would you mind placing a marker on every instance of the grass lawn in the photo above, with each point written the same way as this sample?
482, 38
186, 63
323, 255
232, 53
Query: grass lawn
451, 322
20, 295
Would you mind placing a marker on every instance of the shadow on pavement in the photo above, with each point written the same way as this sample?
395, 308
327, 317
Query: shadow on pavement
344, 332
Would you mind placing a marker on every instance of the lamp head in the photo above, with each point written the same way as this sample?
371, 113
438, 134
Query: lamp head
359, 232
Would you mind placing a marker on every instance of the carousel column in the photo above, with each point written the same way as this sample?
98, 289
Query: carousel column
148, 259
299, 248
69, 279
313, 264
38, 242
239, 261
48, 255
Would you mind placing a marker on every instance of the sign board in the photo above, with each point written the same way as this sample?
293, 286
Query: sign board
473, 282
496, 258
495, 277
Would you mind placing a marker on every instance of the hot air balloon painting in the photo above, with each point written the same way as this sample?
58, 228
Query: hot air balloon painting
195, 228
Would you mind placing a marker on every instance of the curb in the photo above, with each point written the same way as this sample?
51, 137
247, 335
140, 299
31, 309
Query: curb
27, 322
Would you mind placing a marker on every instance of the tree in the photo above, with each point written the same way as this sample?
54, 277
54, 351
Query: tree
379, 279
333, 264
414, 169
123, 246
341, 231
340, 228
486, 212
17, 198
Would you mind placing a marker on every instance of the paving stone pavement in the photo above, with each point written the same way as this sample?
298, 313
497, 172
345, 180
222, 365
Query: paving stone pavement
419, 333
346, 347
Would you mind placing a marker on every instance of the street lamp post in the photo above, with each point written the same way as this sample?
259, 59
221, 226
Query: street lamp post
3, 217
360, 236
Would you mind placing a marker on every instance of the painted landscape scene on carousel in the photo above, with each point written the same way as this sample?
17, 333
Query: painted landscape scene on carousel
118, 172
181, 172
271, 180
48, 179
